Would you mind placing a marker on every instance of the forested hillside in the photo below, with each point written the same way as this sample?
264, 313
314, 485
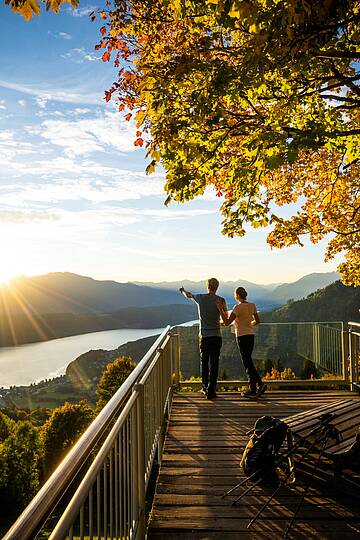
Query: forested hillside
336, 302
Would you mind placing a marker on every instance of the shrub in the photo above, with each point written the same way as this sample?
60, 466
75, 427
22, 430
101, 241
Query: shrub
113, 376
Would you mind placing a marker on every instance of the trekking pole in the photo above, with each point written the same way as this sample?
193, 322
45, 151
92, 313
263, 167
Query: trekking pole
240, 483
246, 491
307, 487
281, 484
323, 422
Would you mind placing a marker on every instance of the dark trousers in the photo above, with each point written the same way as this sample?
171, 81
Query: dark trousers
210, 353
246, 345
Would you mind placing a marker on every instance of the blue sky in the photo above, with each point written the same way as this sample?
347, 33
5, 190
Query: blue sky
73, 192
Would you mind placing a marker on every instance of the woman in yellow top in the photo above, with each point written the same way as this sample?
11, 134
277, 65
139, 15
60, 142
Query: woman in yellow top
245, 317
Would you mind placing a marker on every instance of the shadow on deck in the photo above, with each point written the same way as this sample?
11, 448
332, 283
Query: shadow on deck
200, 461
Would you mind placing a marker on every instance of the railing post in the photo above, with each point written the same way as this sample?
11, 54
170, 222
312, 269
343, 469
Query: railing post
346, 347
140, 484
176, 339
161, 390
352, 359
316, 343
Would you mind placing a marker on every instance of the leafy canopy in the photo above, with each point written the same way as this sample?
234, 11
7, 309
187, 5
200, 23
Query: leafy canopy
113, 376
257, 98
20, 464
28, 8
62, 429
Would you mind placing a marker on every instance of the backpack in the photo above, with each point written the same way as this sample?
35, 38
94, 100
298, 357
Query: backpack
259, 459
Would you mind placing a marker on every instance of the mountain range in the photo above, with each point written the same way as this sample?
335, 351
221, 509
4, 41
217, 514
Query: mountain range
267, 295
64, 292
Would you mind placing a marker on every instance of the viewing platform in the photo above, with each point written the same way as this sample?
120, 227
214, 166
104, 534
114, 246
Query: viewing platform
158, 423
203, 447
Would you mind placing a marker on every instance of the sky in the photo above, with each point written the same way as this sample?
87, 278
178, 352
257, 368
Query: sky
74, 195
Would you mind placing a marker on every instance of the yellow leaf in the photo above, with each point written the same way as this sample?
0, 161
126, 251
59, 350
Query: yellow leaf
27, 11
140, 117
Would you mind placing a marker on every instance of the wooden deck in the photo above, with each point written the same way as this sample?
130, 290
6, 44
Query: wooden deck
201, 457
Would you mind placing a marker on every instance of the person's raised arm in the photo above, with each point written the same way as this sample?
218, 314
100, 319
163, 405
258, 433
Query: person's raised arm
185, 293
221, 305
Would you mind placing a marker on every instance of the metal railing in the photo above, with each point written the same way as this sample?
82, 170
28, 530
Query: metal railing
110, 499
354, 355
315, 352
322, 344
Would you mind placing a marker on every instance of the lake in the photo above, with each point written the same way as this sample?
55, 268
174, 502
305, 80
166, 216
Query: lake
33, 362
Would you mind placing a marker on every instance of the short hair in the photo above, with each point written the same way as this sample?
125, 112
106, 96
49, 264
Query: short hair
212, 283
240, 292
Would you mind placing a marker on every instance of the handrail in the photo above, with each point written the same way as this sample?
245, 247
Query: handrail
82, 492
35, 514
356, 325
123, 464
302, 322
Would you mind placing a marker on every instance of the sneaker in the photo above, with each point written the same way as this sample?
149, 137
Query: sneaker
262, 390
249, 394
211, 395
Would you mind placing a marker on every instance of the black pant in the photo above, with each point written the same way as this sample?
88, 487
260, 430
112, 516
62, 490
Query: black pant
210, 350
246, 345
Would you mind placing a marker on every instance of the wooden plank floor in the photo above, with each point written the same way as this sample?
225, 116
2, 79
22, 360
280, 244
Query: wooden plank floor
201, 457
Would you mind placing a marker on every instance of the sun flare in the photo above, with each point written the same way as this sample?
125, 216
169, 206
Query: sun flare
6, 274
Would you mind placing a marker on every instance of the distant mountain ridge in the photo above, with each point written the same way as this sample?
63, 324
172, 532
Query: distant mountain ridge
276, 294
226, 289
64, 292
302, 287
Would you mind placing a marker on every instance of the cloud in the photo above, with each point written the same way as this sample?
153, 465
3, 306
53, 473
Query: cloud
21, 216
82, 11
172, 214
2, 104
124, 186
60, 35
42, 101
84, 136
80, 111
69, 94
6, 136
79, 55
22, 102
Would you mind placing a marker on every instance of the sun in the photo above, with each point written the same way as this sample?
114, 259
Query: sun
7, 274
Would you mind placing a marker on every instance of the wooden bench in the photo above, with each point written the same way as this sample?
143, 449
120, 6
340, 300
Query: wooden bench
346, 420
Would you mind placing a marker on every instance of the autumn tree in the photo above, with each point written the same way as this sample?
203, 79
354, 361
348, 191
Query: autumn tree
62, 429
113, 376
20, 463
7, 426
258, 99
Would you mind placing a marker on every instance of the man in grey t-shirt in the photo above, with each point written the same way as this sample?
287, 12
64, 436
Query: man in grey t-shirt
210, 335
